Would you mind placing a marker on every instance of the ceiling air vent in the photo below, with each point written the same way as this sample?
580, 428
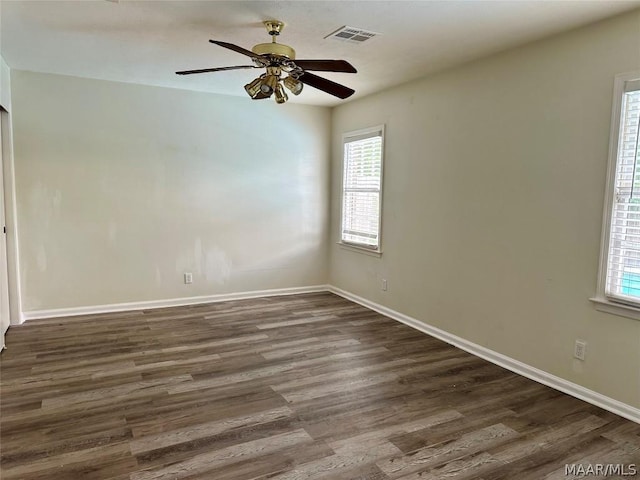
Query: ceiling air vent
352, 34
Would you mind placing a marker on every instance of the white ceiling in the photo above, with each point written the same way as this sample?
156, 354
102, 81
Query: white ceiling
147, 41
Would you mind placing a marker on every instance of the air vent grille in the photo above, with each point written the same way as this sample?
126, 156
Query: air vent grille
352, 34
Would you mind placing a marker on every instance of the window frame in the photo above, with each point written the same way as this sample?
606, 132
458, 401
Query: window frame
601, 301
349, 245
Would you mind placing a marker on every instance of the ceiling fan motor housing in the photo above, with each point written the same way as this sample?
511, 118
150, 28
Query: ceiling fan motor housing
278, 49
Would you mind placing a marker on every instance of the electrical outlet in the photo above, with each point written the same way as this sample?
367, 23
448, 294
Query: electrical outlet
384, 284
188, 278
580, 349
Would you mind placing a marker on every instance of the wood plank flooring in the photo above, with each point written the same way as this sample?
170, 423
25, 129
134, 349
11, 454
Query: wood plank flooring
281, 388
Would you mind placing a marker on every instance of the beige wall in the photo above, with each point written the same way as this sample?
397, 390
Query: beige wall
122, 188
493, 195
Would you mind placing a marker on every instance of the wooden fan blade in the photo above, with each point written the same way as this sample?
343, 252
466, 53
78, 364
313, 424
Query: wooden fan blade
236, 48
325, 85
326, 65
218, 69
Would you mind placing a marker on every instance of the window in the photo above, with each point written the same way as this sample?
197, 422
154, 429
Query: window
362, 188
619, 280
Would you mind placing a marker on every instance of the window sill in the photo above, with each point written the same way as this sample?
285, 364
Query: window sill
357, 249
620, 309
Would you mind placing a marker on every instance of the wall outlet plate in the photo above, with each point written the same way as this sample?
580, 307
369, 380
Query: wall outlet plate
580, 349
188, 278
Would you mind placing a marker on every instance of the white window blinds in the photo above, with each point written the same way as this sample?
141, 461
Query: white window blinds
362, 185
623, 260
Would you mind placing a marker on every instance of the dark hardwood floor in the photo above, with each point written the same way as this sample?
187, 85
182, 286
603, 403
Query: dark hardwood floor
293, 387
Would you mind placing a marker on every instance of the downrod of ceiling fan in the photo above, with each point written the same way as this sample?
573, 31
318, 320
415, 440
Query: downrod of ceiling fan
274, 27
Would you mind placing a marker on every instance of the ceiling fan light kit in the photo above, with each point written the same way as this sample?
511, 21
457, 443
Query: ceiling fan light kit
253, 88
269, 83
281, 95
279, 59
294, 86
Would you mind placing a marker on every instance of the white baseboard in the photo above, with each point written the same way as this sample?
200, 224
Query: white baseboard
540, 376
173, 302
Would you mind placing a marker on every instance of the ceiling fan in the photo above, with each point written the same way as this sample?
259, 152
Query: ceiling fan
279, 59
